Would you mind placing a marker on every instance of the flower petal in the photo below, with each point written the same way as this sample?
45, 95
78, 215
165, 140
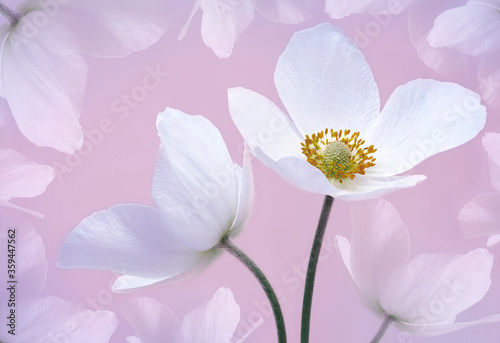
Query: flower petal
129, 239
472, 29
152, 321
223, 23
50, 70
489, 80
423, 118
263, 124
195, 189
21, 177
481, 216
491, 142
338, 9
444, 60
433, 288
379, 245
115, 28
321, 76
287, 11
442, 328
215, 321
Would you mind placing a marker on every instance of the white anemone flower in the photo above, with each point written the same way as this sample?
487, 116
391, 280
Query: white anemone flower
337, 141
43, 319
224, 21
421, 295
43, 72
200, 197
481, 216
213, 322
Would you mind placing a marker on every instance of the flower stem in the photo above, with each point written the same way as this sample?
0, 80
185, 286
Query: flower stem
227, 244
383, 328
311, 268
12, 16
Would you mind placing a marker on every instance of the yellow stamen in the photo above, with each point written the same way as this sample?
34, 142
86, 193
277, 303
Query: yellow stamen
337, 154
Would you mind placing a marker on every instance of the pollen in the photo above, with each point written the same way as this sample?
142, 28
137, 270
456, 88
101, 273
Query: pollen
338, 154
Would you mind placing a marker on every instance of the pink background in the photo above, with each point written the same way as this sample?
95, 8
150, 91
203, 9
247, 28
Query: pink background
278, 237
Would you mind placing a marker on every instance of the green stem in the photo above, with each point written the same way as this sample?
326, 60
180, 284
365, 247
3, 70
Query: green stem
311, 268
383, 328
227, 244
12, 16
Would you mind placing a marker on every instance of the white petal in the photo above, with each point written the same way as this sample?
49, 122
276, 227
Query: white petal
51, 319
442, 328
432, 288
472, 29
481, 216
321, 77
338, 9
379, 244
50, 70
263, 124
133, 339
215, 321
6, 203
287, 11
21, 177
445, 61
152, 321
423, 118
245, 195
129, 239
114, 28
195, 185
223, 23
491, 142
493, 241
489, 80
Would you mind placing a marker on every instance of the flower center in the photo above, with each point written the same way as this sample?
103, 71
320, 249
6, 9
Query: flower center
337, 154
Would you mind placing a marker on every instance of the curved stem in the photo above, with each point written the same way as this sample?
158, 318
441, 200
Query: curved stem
227, 244
12, 16
311, 268
383, 328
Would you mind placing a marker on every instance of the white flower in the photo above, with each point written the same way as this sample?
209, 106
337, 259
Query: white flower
224, 21
338, 9
481, 216
213, 322
44, 319
422, 294
43, 71
328, 89
201, 196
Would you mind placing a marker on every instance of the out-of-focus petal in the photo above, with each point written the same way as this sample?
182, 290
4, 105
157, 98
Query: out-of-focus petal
472, 29
432, 288
195, 185
338, 9
489, 80
152, 321
481, 216
321, 77
491, 142
223, 23
215, 321
444, 327
49, 69
287, 11
21, 177
263, 124
423, 118
115, 28
128, 239
379, 244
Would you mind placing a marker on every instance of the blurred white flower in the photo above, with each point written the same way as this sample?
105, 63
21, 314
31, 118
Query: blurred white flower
43, 71
201, 196
213, 322
43, 319
338, 142
481, 216
224, 21
423, 294
338, 9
